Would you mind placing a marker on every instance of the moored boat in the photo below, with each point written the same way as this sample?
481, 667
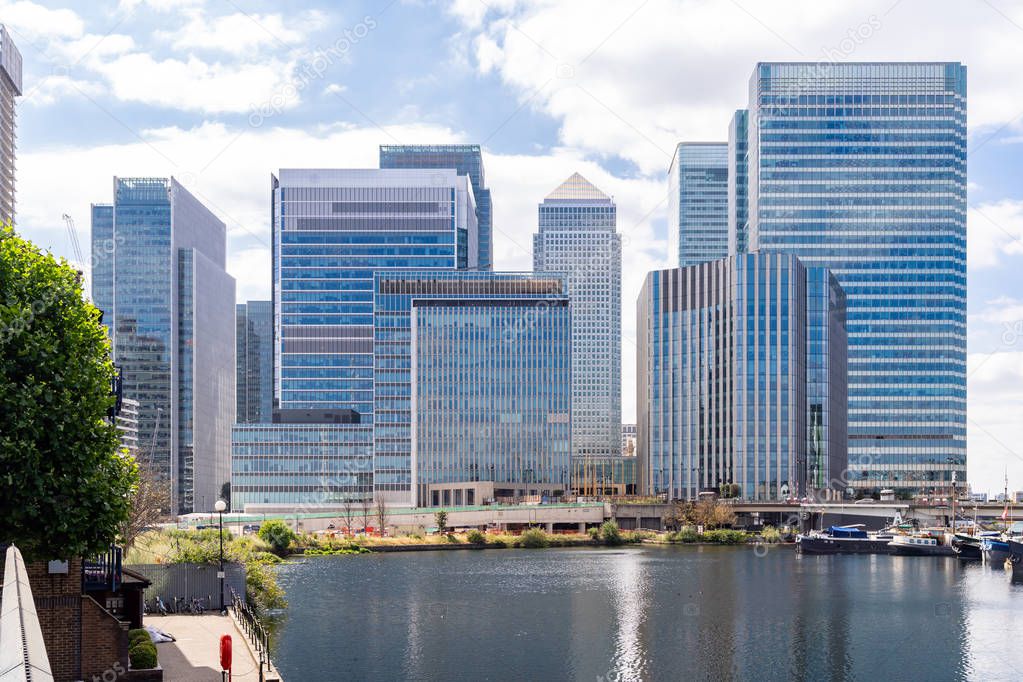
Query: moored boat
994, 550
966, 546
919, 545
842, 540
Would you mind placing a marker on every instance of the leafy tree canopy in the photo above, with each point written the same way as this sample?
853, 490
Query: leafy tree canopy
65, 484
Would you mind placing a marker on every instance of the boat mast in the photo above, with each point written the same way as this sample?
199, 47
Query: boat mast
953, 502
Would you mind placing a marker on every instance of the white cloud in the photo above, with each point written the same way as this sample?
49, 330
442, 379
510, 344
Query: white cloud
36, 22
196, 85
994, 430
632, 80
994, 230
240, 33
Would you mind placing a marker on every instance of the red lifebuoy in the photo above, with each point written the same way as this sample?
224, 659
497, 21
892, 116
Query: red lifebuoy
225, 652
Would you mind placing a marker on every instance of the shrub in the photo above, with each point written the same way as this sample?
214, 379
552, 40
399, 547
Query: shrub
686, 535
277, 534
142, 655
440, 518
725, 537
534, 538
261, 586
771, 534
476, 537
452, 538
610, 534
138, 634
594, 533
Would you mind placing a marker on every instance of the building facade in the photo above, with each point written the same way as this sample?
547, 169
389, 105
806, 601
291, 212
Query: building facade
722, 390
467, 160
698, 202
861, 168
628, 440
577, 237
168, 303
10, 88
254, 356
473, 386
738, 182
319, 459
332, 230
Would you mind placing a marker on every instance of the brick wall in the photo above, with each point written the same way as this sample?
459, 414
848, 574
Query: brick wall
83, 640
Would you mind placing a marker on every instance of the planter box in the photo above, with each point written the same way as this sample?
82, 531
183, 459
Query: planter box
145, 675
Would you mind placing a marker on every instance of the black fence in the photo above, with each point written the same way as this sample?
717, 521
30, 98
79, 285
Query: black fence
178, 584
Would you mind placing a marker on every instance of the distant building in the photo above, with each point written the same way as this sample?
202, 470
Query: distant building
254, 357
473, 386
601, 476
698, 202
10, 87
159, 278
724, 390
978, 497
577, 237
738, 182
333, 229
628, 440
467, 160
127, 422
303, 460
1017, 497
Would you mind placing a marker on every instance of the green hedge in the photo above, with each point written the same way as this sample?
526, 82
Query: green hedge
142, 654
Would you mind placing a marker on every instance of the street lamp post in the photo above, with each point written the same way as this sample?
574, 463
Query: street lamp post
220, 507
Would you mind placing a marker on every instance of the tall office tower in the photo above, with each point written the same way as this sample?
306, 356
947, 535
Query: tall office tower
861, 168
254, 358
577, 238
698, 202
158, 276
738, 182
473, 386
332, 230
722, 379
10, 87
467, 160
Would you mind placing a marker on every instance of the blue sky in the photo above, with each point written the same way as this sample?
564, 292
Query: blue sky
221, 93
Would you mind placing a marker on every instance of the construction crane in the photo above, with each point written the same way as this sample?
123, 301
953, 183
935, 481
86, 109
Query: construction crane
77, 248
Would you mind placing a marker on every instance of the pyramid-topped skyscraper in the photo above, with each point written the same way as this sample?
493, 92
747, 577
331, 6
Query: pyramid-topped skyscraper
577, 237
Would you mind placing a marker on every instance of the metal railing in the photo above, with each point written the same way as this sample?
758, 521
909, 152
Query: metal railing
103, 572
253, 630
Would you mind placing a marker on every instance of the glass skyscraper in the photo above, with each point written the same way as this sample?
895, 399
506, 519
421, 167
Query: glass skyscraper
577, 237
861, 168
464, 158
254, 357
698, 202
473, 386
10, 87
332, 230
159, 277
738, 183
722, 379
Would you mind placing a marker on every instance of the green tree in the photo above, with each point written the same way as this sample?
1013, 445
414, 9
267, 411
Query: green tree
277, 534
66, 484
441, 519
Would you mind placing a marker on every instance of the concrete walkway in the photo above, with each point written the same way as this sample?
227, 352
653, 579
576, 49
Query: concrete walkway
195, 656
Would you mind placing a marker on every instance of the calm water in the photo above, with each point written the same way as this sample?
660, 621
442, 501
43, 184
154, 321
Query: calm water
658, 613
